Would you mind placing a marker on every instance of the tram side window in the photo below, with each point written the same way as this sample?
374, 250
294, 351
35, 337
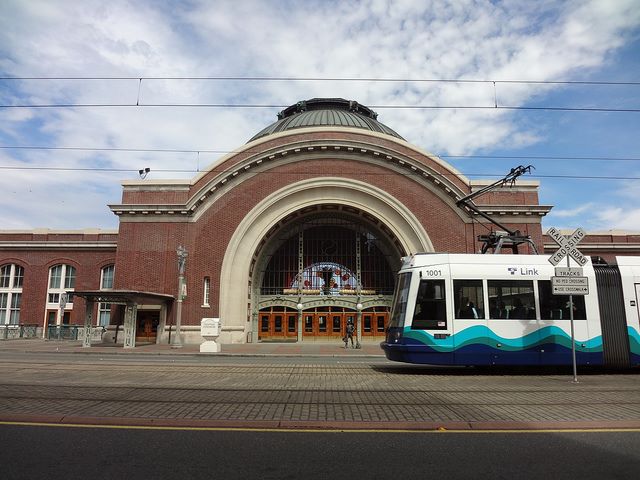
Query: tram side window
511, 299
556, 307
468, 298
430, 312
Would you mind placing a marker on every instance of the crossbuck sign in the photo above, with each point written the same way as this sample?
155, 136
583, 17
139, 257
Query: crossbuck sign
567, 246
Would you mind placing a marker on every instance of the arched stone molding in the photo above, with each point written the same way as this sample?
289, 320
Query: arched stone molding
235, 299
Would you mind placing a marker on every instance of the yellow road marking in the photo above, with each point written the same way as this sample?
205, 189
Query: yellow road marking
320, 430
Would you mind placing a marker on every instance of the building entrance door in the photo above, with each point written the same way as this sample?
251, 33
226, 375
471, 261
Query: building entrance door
327, 323
147, 325
278, 324
374, 322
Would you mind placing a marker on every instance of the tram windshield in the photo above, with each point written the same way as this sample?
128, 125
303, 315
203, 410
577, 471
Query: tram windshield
400, 300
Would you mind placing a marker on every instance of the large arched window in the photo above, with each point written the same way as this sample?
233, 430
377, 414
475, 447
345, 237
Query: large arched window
11, 277
332, 252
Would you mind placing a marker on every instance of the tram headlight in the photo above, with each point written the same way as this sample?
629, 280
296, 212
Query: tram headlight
394, 335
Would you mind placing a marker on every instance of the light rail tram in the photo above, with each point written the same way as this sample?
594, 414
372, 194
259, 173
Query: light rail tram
472, 309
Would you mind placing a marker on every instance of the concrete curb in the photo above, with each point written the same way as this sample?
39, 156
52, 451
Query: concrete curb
199, 354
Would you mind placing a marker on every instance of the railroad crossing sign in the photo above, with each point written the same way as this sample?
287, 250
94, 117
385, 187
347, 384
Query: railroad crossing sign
567, 246
566, 282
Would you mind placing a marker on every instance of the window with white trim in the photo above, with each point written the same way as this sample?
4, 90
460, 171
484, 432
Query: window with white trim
62, 278
205, 296
106, 283
11, 278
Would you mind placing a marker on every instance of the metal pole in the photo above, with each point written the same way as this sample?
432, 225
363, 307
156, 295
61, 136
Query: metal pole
573, 337
182, 260
177, 343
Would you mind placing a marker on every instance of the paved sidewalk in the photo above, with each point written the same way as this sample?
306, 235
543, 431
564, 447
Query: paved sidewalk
254, 387
333, 349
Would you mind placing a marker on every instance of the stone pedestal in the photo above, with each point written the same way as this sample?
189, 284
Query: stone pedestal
210, 331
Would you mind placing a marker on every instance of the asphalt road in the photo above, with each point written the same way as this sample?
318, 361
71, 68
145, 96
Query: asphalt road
36, 452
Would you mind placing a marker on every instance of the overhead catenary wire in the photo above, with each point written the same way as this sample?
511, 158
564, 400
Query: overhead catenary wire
378, 107
328, 79
204, 151
306, 172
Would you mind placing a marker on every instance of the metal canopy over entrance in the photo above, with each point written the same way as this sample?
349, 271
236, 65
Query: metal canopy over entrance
130, 300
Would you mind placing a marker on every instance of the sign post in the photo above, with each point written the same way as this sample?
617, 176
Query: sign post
574, 283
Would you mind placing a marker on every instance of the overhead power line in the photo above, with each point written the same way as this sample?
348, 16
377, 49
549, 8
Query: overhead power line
328, 79
191, 150
378, 107
182, 170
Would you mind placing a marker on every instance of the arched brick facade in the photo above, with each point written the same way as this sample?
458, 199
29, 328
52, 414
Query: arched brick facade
227, 216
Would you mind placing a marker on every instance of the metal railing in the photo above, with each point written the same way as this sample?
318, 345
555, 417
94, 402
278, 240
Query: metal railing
10, 332
63, 332
74, 332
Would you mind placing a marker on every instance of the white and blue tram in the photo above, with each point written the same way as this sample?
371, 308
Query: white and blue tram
470, 309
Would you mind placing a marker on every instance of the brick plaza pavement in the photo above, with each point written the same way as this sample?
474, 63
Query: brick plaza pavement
313, 386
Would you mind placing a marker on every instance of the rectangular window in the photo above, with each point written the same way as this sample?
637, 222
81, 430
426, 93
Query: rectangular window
380, 323
56, 276
5, 275
18, 277
70, 277
104, 314
430, 310
264, 323
337, 323
322, 323
54, 298
556, 307
308, 323
511, 299
278, 323
107, 278
367, 323
14, 317
291, 323
3, 307
468, 299
205, 296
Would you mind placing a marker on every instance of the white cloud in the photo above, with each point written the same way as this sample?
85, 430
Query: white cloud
619, 218
574, 212
376, 38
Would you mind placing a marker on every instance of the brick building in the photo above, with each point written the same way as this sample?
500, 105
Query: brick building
288, 238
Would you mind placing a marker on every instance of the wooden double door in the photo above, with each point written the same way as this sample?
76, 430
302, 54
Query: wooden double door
278, 324
328, 323
374, 322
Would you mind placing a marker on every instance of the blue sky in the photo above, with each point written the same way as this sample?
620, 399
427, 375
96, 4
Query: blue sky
479, 40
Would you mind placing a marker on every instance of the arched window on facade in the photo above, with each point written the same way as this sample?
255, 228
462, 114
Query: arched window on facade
11, 278
62, 279
106, 283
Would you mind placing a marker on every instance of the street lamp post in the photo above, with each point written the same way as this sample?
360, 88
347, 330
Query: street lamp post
182, 262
